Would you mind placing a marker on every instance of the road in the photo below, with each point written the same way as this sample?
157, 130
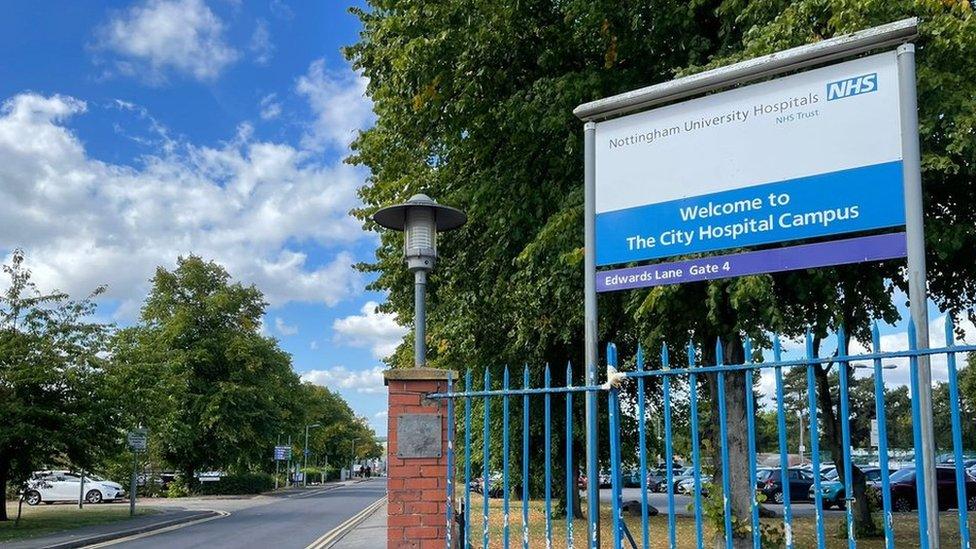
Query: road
287, 521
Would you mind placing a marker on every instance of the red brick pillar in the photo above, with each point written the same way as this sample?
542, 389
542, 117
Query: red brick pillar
417, 459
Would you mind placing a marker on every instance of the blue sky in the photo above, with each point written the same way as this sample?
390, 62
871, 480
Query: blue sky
133, 132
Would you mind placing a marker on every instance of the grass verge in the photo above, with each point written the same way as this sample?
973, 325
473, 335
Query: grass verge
804, 529
49, 519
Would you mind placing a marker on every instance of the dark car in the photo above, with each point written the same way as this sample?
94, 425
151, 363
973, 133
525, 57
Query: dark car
769, 483
903, 494
832, 491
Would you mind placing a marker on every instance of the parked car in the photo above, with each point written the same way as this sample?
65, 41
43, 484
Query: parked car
605, 479
903, 495
656, 480
687, 486
631, 478
677, 477
769, 483
51, 486
832, 491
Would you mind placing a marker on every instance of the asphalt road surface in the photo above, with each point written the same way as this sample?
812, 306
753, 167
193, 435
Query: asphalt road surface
289, 521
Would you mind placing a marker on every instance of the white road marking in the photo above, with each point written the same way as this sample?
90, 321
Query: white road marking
333, 535
220, 514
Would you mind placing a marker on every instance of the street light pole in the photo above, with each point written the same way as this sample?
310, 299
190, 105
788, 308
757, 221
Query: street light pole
420, 218
799, 414
305, 451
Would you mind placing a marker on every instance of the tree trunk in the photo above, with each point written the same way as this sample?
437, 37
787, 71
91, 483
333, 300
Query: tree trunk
4, 465
742, 488
863, 522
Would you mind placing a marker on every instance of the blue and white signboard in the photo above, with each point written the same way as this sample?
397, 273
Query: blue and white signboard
282, 453
813, 154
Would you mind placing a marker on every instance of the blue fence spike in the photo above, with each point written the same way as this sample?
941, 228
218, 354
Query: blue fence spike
485, 467
642, 448
879, 412
814, 439
845, 427
719, 359
950, 331
467, 460
548, 452
668, 449
505, 462
525, 459
784, 461
747, 348
912, 336
570, 471
695, 450
751, 441
449, 519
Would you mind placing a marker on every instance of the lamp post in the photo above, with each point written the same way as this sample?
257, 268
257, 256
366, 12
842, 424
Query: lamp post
305, 466
420, 218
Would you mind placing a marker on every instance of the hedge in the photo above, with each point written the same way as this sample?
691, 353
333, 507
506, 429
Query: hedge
247, 483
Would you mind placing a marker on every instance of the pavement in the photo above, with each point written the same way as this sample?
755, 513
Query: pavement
287, 519
369, 534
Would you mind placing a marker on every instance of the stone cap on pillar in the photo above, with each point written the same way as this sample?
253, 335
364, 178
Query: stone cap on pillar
418, 374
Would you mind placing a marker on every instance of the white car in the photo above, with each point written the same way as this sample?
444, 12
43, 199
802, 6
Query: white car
51, 486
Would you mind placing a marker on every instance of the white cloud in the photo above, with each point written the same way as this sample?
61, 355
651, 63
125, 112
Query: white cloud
340, 377
284, 328
313, 345
246, 204
261, 45
372, 329
270, 107
156, 36
897, 370
340, 105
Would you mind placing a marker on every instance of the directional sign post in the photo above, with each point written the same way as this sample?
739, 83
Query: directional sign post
138, 440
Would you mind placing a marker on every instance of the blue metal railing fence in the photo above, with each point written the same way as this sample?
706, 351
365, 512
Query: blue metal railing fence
690, 376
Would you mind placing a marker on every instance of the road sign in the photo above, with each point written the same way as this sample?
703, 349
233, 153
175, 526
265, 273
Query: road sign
282, 453
138, 439
874, 434
822, 254
813, 154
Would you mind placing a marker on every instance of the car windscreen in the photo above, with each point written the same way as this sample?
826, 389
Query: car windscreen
764, 474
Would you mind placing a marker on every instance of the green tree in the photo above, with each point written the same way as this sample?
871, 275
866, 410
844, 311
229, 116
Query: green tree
212, 390
474, 103
53, 407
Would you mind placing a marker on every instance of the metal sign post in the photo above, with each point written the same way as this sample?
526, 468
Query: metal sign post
591, 357
917, 294
138, 441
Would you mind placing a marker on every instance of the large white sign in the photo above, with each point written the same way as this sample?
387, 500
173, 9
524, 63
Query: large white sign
812, 154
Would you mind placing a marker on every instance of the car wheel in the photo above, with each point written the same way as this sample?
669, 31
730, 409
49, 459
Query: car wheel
971, 503
902, 504
93, 496
778, 497
33, 497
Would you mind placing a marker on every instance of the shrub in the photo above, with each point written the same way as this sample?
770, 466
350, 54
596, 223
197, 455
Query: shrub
240, 484
177, 489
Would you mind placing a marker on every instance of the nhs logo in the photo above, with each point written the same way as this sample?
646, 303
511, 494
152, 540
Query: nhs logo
857, 85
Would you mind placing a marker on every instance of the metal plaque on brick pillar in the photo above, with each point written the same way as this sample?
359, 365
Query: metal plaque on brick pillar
419, 436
